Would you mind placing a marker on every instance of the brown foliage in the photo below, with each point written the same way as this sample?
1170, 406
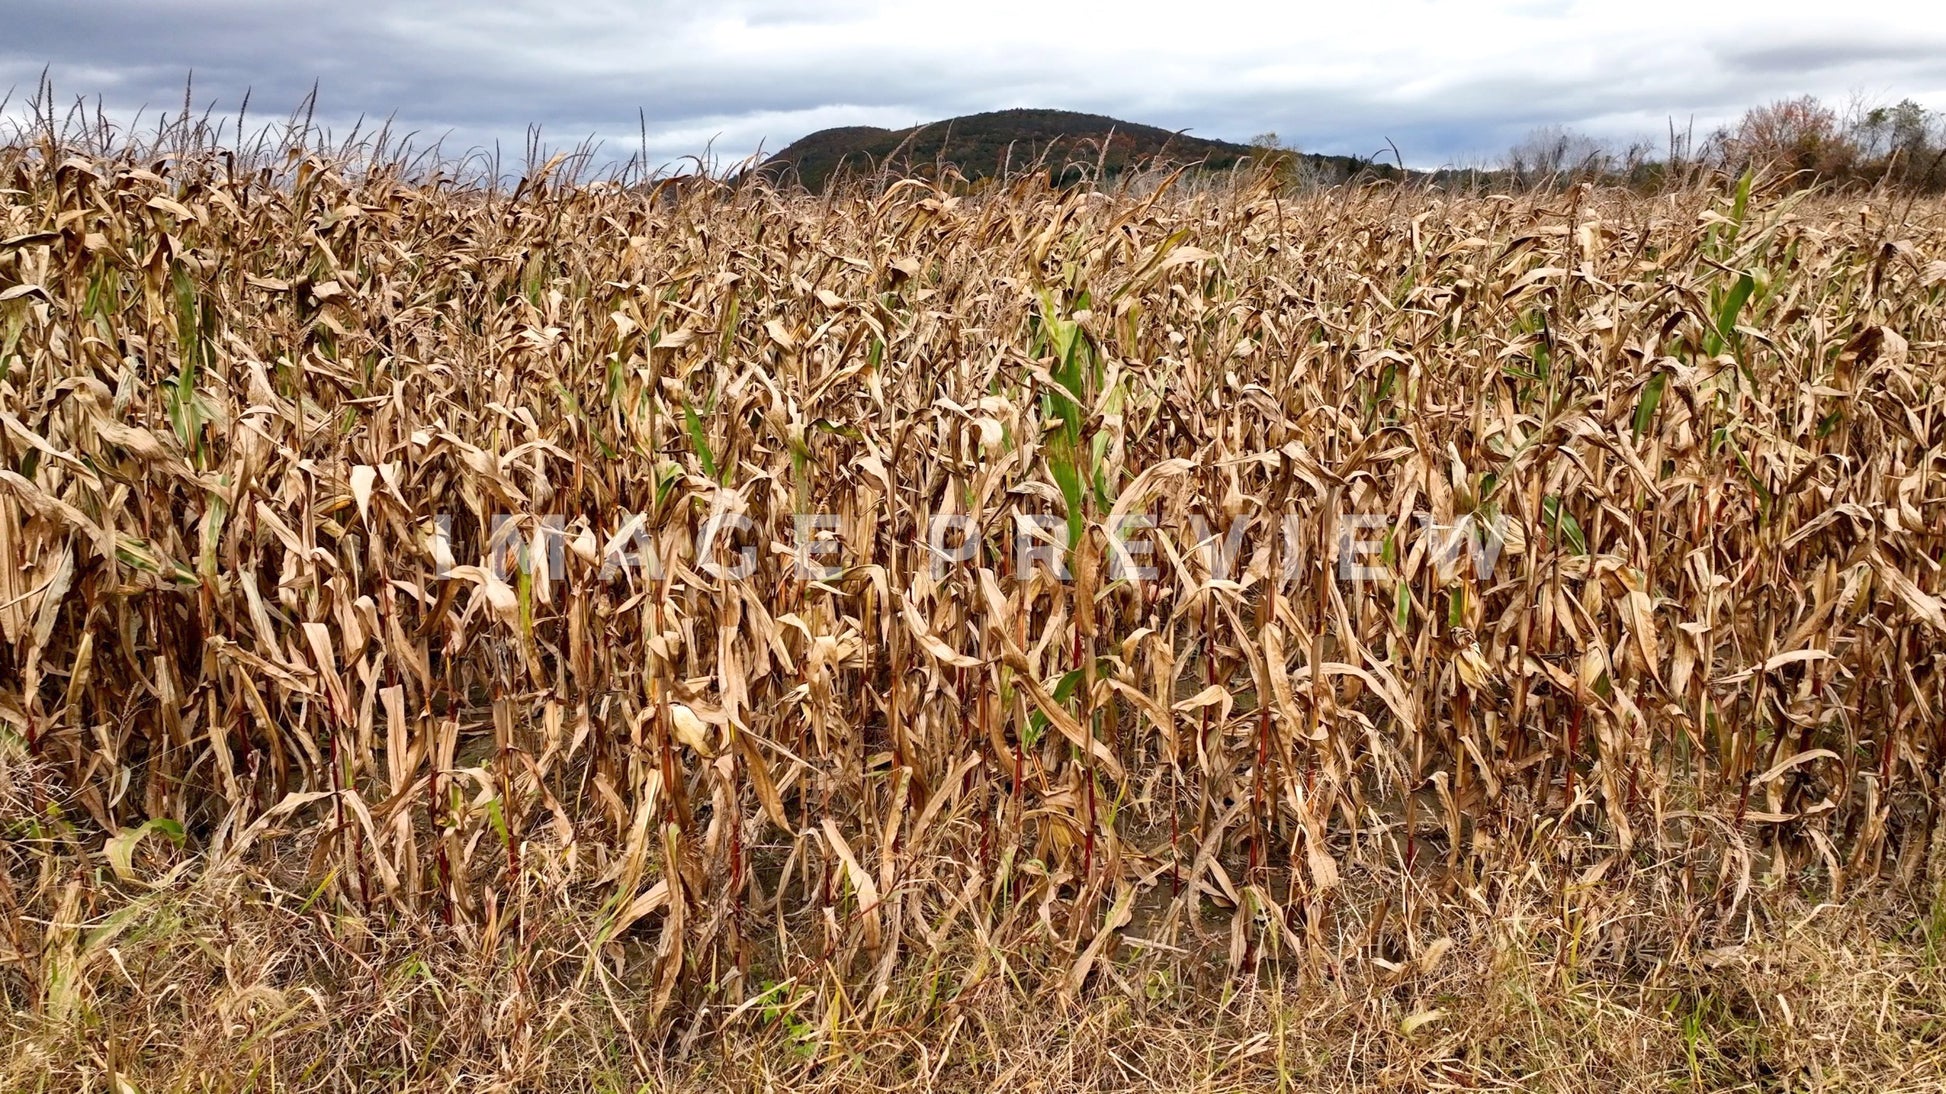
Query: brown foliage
235, 408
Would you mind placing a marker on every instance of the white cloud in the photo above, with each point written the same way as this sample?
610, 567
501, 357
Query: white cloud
1443, 79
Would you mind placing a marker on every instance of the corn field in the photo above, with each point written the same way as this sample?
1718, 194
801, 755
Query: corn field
454, 553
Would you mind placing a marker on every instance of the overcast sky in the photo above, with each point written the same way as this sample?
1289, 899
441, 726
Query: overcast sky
1448, 82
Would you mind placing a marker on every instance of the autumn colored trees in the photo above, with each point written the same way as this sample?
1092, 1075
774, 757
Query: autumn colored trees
1904, 144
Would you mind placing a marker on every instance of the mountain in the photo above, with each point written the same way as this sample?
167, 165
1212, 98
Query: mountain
983, 145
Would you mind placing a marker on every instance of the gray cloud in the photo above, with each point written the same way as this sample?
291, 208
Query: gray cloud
1445, 84
1824, 55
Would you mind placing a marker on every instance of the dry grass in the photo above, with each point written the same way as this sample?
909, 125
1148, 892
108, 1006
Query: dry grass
293, 798
228, 982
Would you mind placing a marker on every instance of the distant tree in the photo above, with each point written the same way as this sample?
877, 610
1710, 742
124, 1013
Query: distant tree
1905, 142
1800, 134
1557, 152
1272, 152
1891, 130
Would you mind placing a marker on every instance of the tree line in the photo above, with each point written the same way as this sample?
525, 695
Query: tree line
1864, 144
